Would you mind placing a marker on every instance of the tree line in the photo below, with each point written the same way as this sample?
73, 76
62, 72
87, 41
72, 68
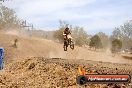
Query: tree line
8, 18
120, 39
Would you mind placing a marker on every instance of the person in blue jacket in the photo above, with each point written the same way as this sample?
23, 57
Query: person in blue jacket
1, 58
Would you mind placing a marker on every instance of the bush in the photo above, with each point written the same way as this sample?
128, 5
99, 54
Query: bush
80, 36
116, 45
95, 42
59, 34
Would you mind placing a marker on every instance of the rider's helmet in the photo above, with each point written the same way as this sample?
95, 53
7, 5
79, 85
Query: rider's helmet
67, 29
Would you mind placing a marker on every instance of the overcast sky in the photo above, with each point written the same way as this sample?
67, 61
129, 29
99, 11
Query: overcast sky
93, 15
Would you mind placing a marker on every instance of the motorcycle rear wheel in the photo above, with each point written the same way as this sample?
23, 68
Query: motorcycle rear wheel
72, 45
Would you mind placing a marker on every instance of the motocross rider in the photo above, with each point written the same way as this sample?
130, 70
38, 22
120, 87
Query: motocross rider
67, 33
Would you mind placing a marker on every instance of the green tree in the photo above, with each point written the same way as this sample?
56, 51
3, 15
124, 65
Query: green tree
95, 42
58, 34
116, 45
8, 18
124, 33
104, 39
80, 36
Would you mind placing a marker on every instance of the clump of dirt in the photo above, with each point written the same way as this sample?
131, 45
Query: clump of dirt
31, 66
39, 72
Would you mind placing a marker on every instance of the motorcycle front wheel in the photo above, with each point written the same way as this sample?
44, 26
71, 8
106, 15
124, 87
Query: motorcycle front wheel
72, 45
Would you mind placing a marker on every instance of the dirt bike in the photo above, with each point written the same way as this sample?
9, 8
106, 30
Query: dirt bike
68, 42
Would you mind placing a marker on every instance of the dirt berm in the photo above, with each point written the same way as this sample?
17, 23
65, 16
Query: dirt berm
40, 72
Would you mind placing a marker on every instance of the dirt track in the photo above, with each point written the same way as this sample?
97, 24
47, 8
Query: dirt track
50, 73
34, 47
39, 72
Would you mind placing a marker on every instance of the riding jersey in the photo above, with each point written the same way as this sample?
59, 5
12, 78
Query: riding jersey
67, 32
